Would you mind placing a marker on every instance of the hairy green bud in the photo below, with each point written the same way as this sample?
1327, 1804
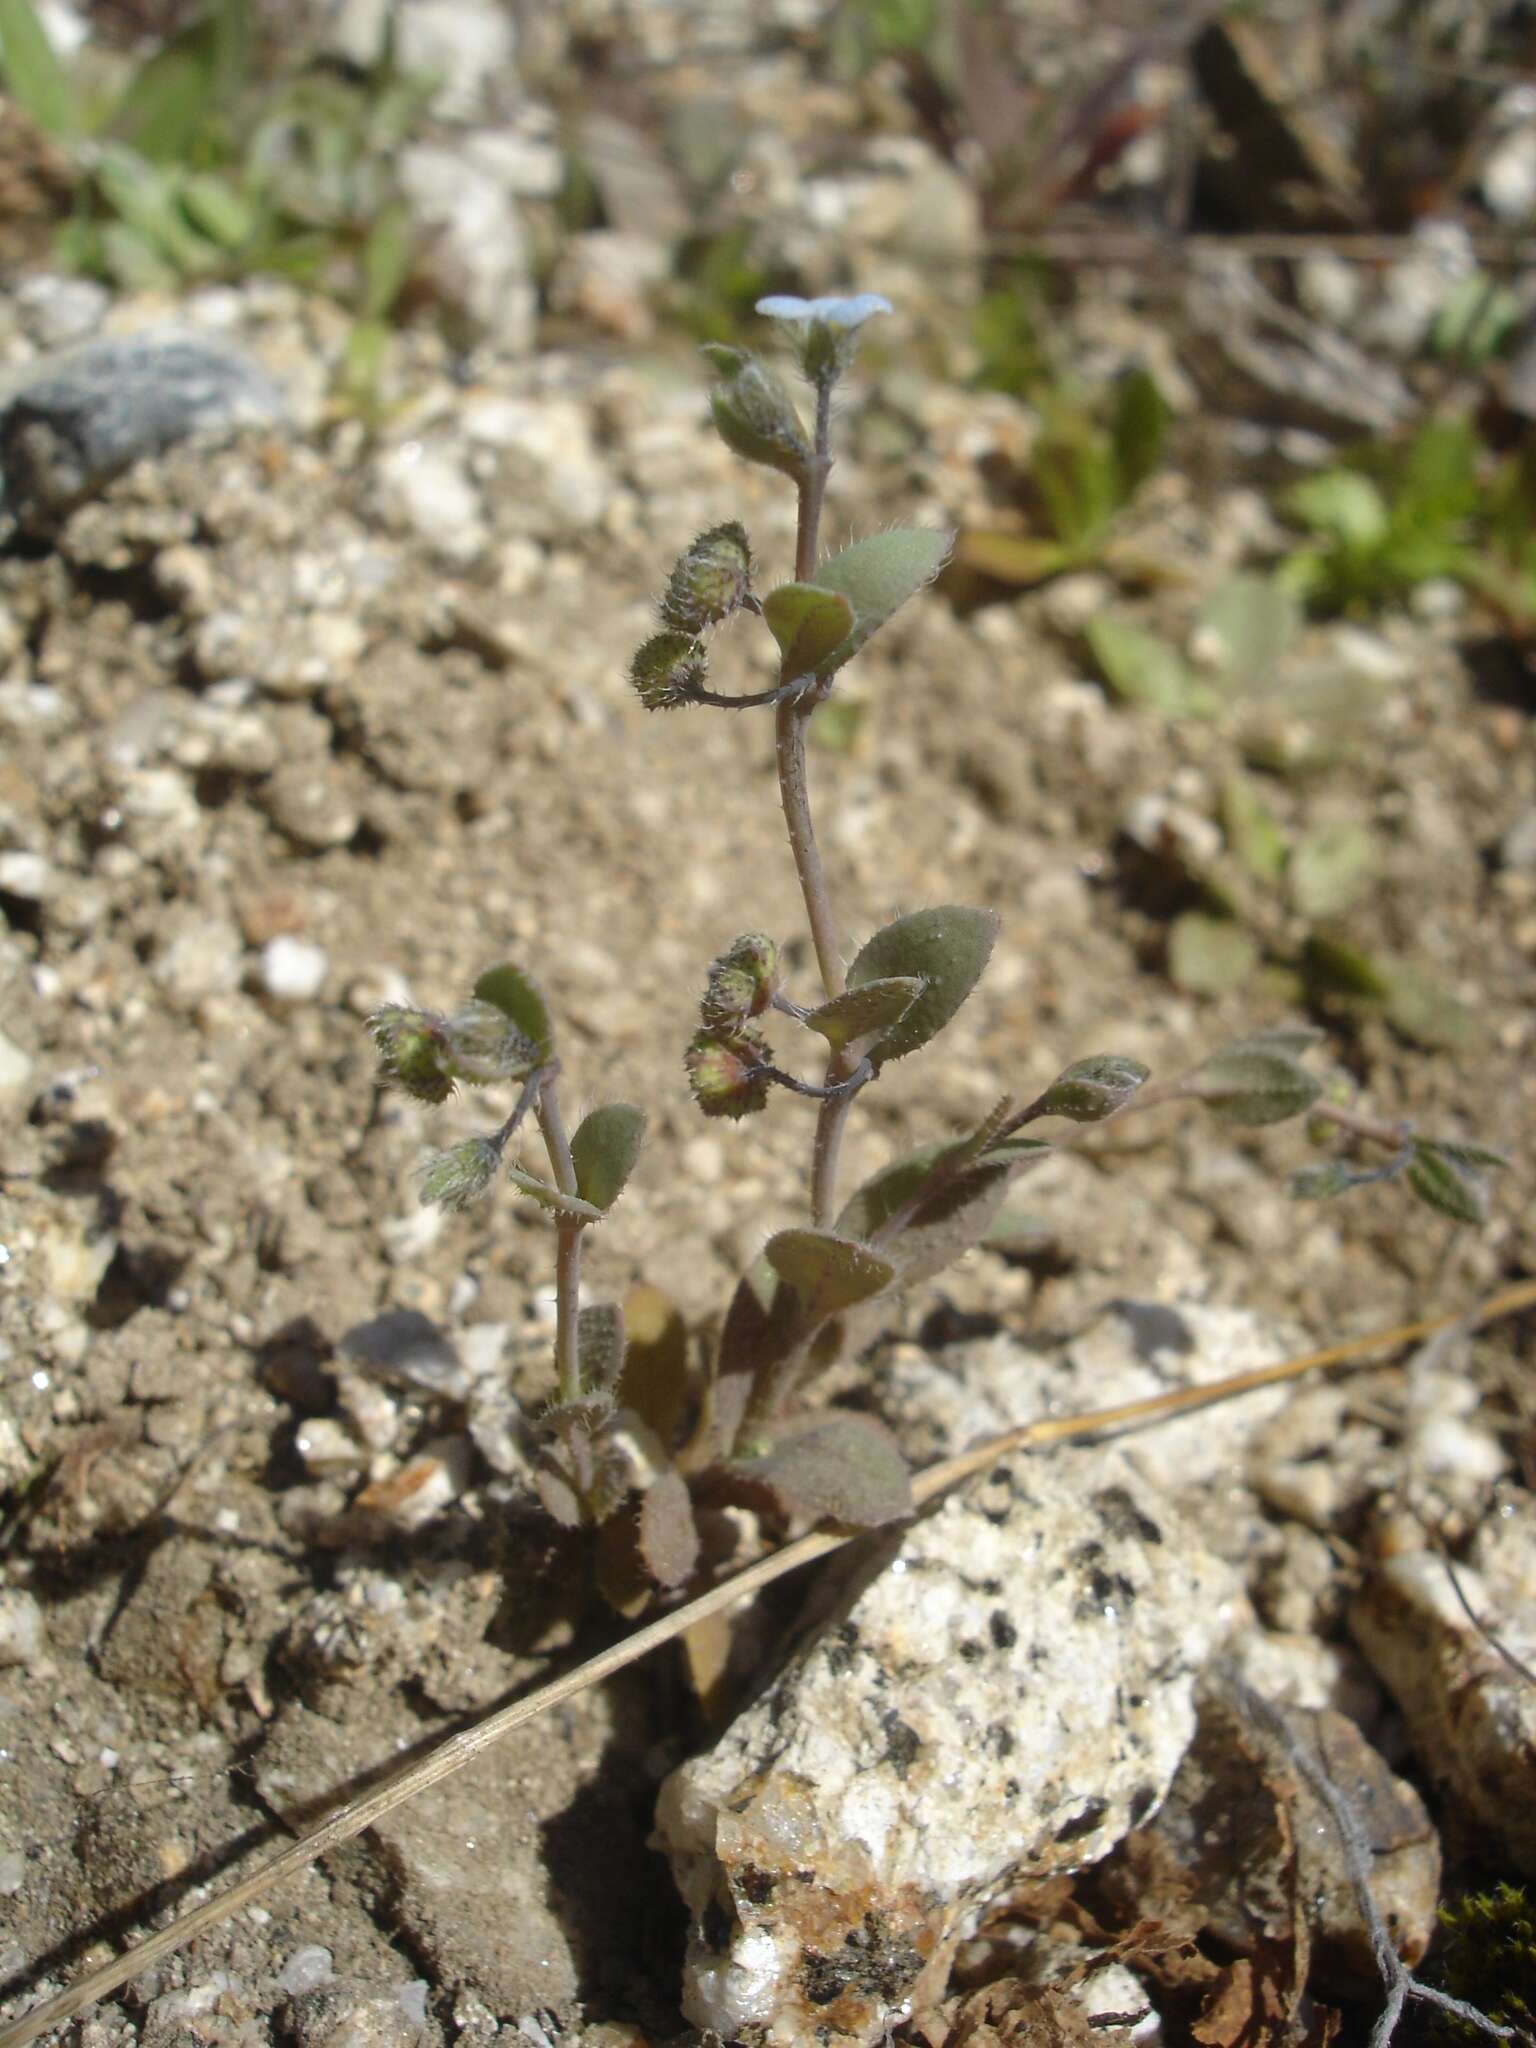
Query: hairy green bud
755, 416
461, 1175
709, 582
486, 1046
415, 1051
667, 670
742, 982
725, 1072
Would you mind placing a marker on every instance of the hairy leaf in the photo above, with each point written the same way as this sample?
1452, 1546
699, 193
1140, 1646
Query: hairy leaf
877, 576
947, 948
604, 1150
551, 1198
1250, 1084
668, 1534
1453, 1186
600, 1346
557, 1496
829, 1273
860, 1012
761, 1329
835, 1467
1093, 1088
520, 997
808, 622
946, 1225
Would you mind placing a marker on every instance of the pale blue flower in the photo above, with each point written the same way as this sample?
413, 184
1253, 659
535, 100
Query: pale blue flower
831, 312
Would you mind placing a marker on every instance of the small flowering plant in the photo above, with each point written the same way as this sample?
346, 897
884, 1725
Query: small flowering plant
618, 1451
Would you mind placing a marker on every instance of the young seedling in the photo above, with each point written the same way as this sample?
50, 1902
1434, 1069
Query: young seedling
606, 1443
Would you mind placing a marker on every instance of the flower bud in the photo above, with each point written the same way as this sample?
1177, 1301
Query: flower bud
667, 670
461, 1175
710, 581
415, 1051
486, 1046
754, 414
742, 982
725, 1072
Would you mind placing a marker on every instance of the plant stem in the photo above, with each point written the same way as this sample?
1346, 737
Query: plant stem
1374, 1130
568, 1235
792, 716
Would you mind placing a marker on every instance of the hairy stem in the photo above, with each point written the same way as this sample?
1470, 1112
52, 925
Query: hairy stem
568, 1235
831, 1121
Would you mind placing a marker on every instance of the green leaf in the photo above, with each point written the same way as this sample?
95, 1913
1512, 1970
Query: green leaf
808, 623
1252, 831
600, 1346
1446, 1183
519, 997
947, 948
33, 75
1438, 484
1209, 955
950, 1222
1461, 1152
829, 1273
860, 1012
1093, 1088
1336, 967
1343, 505
1421, 1011
387, 257
145, 199
1330, 867
1142, 669
604, 1150
551, 1198
1248, 622
1138, 430
1475, 320
1318, 1183
835, 1467
219, 209
1013, 558
877, 576
1251, 1082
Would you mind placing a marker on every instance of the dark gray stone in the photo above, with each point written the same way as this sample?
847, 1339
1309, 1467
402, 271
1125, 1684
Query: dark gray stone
73, 421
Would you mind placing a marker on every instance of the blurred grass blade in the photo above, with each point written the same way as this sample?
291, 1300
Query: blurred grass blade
33, 75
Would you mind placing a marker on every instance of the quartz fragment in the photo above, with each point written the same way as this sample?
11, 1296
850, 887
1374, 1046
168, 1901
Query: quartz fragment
999, 1703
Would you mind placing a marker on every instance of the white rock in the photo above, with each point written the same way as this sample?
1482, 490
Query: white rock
326, 1447
306, 1968
22, 1639
15, 1069
201, 957
31, 876
423, 487
293, 970
1000, 1702
1509, 176
477, 256
56, 311
1471, 1714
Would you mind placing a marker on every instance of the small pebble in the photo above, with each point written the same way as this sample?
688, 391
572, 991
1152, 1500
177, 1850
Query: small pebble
21, 1628
305, 1969
293, 970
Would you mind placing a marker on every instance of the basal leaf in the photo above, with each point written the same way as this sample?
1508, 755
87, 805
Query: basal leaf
519, 996
1142, 669
1138, 430
876, 576
1015, 558
946, 948
808, 623
1329, 867
33, 75
835, 1467
1252, 832
827, 1272
1209, 955
656, 1382
860, 1012
604, 1150
668, 1534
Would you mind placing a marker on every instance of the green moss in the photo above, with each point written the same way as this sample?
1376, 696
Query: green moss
1488, 1958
